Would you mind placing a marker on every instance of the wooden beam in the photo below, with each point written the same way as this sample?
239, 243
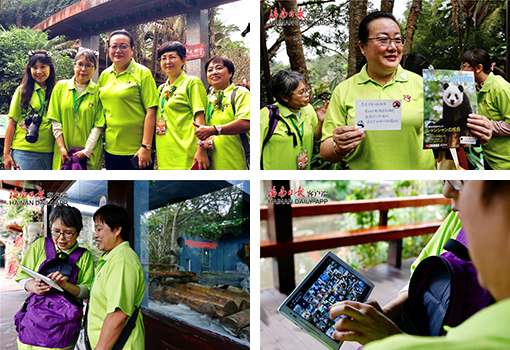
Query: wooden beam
395, 253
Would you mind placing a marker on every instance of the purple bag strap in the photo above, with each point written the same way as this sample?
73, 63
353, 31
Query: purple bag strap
49, 246
461, 237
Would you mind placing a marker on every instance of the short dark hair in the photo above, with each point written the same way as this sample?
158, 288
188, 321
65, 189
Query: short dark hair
364, 30
284, 83
88, 54
28, 82
175, 46
122, 32
223, 60
492, 188
70, 216
415, 63
115, 216
480, 56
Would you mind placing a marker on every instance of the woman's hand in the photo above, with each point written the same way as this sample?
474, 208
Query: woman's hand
321, 111
204, 132
37, 286
63, 154
346, 138
202, 159
481, 127
58, 278
144, 157
365, 323
9, 162
81, 155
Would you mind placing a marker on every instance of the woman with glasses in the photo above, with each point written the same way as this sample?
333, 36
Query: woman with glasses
129, 96
382, 77
37, 330
493, 95
77, 116
183, 100
289, 145
227, 124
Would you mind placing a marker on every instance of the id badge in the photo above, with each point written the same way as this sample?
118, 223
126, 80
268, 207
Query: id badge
302, 159
161, 127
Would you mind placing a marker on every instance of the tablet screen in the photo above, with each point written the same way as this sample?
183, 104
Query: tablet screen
331, 281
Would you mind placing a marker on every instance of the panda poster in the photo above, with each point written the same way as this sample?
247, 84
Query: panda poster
449, 96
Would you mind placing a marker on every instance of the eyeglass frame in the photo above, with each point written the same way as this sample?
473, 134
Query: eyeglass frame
379, 38
80, 66
457, 186
65, 234
122, 47
308, 92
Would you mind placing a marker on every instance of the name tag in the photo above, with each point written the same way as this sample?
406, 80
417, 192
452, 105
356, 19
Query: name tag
379, 114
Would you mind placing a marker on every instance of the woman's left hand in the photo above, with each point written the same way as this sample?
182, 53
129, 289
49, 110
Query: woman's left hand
58, 278
144, 157
321, 111
204, 132
202, 159
80, 154
481, 127
365, 322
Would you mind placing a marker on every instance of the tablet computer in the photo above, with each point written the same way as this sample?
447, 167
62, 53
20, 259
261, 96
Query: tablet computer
332, 280
45, 279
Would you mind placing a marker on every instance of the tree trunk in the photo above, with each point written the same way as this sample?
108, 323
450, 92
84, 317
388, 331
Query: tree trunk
387, 5
186, 297
357, 11
412, 20
234, 323
174, 246
293, 41
154, 52
244, 334
241, 301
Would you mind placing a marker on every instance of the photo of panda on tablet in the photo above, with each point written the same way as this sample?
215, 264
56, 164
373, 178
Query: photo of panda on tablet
332, 280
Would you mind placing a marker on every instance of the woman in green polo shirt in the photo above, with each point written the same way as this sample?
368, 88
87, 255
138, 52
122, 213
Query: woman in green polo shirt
290, 146
129, 96
228, 124
77, 115
119, 284
493, 94
182, 102
28, 140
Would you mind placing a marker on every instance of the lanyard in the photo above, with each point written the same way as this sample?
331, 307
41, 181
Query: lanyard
77, 107
209, 112
42, 103
162, 105
302, 134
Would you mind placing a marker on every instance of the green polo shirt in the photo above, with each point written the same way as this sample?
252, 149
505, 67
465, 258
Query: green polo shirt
450, 228
46, 140
494, 103
119, 283
487, 329
36, 255
125, 98
228, 152
76, 127
280, 152
383, 149
176, 149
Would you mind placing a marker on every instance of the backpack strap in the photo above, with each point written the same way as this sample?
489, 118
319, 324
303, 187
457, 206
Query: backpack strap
126, 331
76, 254
274, 117
244, 137
458, 246
49, 247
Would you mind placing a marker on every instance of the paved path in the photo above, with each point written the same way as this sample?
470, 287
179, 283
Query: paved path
12, 297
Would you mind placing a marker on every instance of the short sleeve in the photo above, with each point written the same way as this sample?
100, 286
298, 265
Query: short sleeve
149, 92
336, 115
503, 104
15, 108
99, 118
86, 266
264, 121
54, 110
197, 96
34, 257
242, 101
121, 292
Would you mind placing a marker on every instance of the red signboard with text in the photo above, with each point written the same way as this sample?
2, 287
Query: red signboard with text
194, 52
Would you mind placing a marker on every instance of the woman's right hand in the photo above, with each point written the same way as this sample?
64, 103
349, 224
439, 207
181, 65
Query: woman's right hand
63, 154
346, 138
9, 162
37, 286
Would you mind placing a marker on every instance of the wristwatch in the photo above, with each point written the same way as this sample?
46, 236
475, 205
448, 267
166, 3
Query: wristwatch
147, 147
218, 129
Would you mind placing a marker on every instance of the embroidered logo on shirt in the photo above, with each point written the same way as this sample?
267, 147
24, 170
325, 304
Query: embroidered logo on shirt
91, 105
129, 82
407, 98
311, 126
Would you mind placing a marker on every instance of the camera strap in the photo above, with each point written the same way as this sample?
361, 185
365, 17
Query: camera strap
43, 104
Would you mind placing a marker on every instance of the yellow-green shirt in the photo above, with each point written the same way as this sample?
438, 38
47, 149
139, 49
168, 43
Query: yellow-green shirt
76, 128
126, 98
280, 152
382, 149
494, 103
228, 152
46, 140
119, 283
176, 149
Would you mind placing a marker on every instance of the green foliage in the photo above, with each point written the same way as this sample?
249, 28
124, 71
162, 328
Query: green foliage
30, 12
15, 44
23, 213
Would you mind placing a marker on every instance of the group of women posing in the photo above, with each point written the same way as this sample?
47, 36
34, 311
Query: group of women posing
60, 125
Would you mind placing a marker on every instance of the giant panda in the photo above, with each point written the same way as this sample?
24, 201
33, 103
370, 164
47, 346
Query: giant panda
456, 108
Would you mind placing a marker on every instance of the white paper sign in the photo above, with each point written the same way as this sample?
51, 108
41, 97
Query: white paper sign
379, 114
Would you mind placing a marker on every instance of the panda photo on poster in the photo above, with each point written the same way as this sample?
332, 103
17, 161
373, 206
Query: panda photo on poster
449, 96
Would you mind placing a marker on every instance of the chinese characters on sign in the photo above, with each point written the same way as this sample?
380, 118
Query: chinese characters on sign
282, 196
35, 198
287, 18
194, 52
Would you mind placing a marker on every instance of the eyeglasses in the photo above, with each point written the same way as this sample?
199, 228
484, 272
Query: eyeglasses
307, 92
385, 41
123, 47
67, 235
465, 66
87, 66
456, 184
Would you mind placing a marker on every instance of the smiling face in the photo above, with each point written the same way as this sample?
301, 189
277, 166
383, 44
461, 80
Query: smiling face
40, 72
382, 60
106, 238
218, 76
61, 240
120, 50
83, 70
300, 97
172, 64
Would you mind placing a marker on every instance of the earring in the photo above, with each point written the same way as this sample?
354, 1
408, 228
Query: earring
362, 52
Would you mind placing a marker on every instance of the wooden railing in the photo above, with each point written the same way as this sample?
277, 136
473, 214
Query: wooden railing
282, 245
